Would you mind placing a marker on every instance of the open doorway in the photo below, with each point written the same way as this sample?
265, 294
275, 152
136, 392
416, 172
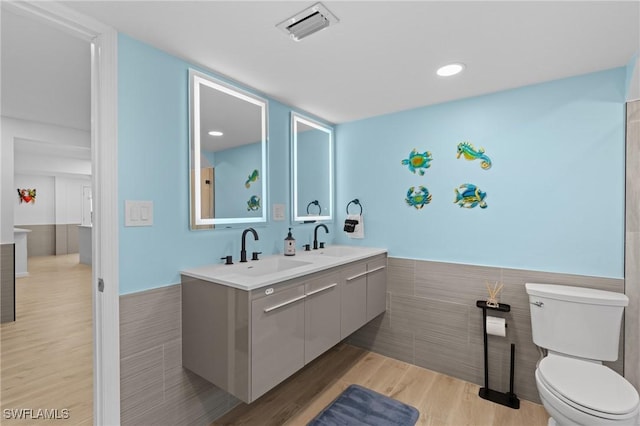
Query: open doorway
104, 276
46, 110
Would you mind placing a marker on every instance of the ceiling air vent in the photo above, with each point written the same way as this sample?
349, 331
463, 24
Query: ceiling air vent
307, 22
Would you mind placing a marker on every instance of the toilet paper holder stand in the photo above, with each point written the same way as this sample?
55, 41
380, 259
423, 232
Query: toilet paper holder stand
508, 399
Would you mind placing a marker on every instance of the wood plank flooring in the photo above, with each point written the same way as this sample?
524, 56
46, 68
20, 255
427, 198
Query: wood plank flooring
441, 400
47, 353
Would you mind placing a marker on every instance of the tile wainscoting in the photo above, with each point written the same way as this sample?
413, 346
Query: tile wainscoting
7, 283
632, 242
432, 321
154, 388
50, 240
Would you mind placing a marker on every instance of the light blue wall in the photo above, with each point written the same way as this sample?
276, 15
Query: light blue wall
153, 150
313, 157
232, 169
555, 191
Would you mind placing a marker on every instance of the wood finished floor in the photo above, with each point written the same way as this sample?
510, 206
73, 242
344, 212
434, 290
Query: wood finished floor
47, 353
441, 400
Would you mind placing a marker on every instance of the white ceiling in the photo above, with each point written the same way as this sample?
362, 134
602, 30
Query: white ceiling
381, 57
46, 74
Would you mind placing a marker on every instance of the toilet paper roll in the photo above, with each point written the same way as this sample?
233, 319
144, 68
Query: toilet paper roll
496, 326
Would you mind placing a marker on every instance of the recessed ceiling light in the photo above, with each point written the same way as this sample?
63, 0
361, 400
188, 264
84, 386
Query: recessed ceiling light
449, 70
216, 133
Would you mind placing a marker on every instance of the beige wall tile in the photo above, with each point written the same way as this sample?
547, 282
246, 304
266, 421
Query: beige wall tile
7, 283
149, 319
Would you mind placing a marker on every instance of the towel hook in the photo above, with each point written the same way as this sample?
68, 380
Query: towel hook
356, 202
315, 203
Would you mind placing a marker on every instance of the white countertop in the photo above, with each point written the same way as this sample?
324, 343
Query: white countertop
255, 274
21, 230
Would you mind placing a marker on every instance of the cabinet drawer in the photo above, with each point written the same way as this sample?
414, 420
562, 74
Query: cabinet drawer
322, 315
376, 287
354, 298
277, 338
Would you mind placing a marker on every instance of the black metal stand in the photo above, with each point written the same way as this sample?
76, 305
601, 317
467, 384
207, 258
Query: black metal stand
508, 399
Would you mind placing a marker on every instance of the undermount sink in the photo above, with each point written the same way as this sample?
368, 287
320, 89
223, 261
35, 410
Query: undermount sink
337, 251
277, 268
268, 266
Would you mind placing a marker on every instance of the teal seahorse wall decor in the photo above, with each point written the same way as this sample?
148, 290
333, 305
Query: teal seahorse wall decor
470, 153
252, 178
470, 196
418, 161
418, 197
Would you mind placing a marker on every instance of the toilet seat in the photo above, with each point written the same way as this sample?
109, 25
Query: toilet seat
589, 387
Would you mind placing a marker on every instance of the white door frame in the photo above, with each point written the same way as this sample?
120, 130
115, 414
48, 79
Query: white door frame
104, 164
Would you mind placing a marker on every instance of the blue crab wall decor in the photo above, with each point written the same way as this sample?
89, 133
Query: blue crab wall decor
418, 198
470, 153
470, 196
418, 161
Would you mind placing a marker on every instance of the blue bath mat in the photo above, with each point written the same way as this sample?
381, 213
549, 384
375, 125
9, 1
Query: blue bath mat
361, 406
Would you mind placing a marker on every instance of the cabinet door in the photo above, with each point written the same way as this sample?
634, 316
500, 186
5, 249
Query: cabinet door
322, 315
354, 299
376, 288
277, 338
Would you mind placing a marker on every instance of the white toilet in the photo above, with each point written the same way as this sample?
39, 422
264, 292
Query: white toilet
580, 328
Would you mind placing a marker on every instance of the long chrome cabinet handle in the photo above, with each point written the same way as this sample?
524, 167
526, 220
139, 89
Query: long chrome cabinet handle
288, 302
365, 273
376, 269
322, 289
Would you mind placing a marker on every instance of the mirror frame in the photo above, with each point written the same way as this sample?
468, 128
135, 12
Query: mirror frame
196, 79
298, 216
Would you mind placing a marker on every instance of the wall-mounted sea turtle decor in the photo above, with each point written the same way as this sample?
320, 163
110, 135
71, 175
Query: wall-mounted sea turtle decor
470, 153
418, 161
418, 197
254, 203
252, 178
470, 196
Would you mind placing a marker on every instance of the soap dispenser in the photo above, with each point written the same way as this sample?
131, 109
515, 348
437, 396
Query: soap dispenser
289, 245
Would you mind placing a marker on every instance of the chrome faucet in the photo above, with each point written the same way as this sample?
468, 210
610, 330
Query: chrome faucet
243, 251
315, 234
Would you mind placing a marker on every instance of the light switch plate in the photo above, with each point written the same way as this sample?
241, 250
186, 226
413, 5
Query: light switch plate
138, 213
278, 212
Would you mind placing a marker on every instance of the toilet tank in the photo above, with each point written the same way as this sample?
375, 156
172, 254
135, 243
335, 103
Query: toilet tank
577, 321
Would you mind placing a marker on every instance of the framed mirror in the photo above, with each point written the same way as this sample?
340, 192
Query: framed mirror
228, 158
312, 169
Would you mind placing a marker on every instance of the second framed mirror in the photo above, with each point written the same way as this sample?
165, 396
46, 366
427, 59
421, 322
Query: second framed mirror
312, 169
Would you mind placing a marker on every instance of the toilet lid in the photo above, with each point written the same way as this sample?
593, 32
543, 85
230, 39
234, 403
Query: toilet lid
589, 385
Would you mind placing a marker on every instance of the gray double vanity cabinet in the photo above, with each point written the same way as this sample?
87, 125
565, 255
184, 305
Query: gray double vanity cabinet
247, 327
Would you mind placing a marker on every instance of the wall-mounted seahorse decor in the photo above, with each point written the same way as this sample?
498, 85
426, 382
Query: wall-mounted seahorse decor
470, 153
252, 178
418, 161
418, 197
470, 196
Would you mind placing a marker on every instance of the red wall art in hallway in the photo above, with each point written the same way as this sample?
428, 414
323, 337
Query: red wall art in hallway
27, 195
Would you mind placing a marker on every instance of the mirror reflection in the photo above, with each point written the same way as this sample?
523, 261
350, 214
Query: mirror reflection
312, 180
228, 154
